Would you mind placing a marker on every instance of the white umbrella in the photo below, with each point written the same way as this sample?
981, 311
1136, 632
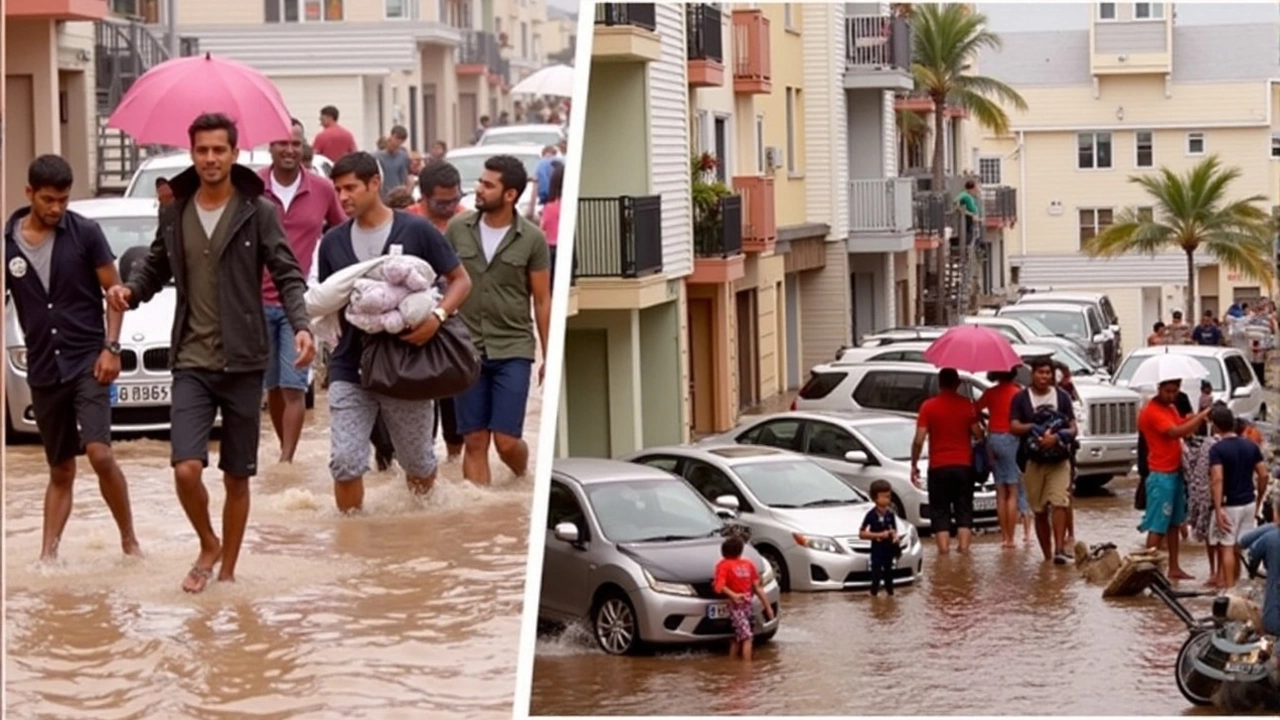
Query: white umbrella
1167, 366
556, 81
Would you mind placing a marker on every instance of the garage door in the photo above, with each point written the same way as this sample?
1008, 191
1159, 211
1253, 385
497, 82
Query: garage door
304, 96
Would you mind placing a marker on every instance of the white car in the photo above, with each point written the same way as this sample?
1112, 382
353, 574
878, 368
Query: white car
860, 448
1230, 374
1081, 369
469, 162
1028, 331
1077, 321
143, 183
1099, 301
538, 136
802, 518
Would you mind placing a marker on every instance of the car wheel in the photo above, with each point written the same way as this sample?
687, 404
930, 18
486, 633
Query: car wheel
774, 558
898, 507
1092, 482
613, 622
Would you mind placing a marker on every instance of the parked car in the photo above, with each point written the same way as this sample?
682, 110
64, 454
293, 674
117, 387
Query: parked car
143, 183
803, 519
1229, 371
1029, 331
1080, 368
470, 164
538, 136
633, 549
860, 447
1013, 330
140, 397
1096, 300
1073, 320
1108, 415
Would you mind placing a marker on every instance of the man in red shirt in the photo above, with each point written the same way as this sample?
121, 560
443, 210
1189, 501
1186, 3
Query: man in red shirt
306, 204
950, 422
334, 141
1162, 428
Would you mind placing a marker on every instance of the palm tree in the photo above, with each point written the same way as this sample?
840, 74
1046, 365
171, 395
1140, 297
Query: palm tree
1191, 213
948, 38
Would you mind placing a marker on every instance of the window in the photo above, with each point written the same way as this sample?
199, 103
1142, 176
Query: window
820, 385
989, 170
1239, 374
1107, 11
292, 11
793, 108
661, 462
760, 167
832, 442
783, 434
1146, 213
1092, 222
1195, 143
789, 17
397, 9
564, 507
1144, 155
1275, 146
711, 483
702, 132
524, 40
1148, 11
890, 390
1093, 151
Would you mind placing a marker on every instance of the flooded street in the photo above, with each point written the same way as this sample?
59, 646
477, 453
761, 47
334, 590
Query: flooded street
999, 632
412, 610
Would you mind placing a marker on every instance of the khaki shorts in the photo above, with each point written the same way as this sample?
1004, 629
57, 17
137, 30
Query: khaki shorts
1048, 485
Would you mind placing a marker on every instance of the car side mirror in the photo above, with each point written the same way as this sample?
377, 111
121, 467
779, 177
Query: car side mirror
1240, 393
1115, 329
857, 457
1100, 338
727, 507
567, 532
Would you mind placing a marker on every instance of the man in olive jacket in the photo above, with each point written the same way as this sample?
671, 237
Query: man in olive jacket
214, 241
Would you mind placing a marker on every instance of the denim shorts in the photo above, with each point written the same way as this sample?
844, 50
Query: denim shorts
498, 400
1166, 503
280, 341
1004, 448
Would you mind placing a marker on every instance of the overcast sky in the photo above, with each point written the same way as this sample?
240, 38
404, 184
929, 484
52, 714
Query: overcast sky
566, 5
1012, 17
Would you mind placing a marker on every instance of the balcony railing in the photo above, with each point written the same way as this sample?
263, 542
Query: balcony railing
760, 223
877, 41
881, 205
1000, 205
720, 235
752, 66
644, 15
619, 236
929, 211
702, 26
479, 48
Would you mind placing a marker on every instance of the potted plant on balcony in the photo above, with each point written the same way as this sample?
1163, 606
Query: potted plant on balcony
707, 191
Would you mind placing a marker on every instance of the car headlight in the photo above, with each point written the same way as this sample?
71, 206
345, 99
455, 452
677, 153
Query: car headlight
668, 588
1082, 417
18, 356
819, 543
767, 576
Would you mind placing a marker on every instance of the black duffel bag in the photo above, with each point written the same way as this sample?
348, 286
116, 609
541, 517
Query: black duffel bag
445, 367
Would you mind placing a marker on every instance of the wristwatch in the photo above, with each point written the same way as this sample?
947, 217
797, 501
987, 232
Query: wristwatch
112, 347
441, 314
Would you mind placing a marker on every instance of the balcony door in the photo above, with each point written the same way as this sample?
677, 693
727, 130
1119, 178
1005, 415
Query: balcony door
720, 136
748, 350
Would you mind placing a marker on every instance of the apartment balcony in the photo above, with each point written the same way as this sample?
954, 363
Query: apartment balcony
717, 244
877, 53
760, 222
881, 216
929, 219
619, 237
1000, 206
919, 102
704, 32
478, 54
1131, 46
752, 65
62, 10
626, 32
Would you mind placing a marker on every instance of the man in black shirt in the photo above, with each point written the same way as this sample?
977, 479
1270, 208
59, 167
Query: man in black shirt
1238, 479
71, 362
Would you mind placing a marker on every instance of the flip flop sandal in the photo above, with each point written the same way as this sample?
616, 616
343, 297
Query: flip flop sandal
204, 574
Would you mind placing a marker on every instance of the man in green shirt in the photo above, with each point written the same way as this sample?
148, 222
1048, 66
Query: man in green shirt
969, 208
508, 261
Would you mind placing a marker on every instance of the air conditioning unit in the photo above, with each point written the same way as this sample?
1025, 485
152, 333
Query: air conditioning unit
772, 158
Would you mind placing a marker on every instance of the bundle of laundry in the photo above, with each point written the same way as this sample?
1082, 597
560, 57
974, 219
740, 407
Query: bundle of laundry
390, 293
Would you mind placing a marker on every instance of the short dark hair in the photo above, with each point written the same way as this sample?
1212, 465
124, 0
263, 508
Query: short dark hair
161, 181
1036, 363
295, 122
970, 184
1208, 313
308, 152
1158, 326
1177, 314
329, 111
399, 132
442, 144
555, 187
997, 376
484, 118
213, 121
439, 174
359, 163
1223, 419
880, 486
399, 199
948, 379
50, 171
514, 175
732, 547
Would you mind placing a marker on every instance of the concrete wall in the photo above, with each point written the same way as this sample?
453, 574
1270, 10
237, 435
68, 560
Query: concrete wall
787, 54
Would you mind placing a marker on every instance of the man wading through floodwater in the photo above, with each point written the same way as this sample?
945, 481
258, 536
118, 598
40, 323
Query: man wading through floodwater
1162, 428
70, 361
214, 242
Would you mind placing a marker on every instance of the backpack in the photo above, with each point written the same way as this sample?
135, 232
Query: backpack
1048, 420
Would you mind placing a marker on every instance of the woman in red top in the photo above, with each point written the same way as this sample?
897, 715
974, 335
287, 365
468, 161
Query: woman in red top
737, 579
1002, 451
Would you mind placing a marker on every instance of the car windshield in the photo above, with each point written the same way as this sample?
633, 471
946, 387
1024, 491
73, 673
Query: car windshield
795, 484
128, 232
144, 183
541, 138
1191, 387
470, 166
651, 511
1059, 322
1073, 360
893, 439
1038, 328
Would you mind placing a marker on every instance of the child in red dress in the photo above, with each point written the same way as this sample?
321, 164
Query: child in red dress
737, 579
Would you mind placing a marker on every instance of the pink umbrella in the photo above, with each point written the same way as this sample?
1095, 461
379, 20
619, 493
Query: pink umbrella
162, 103
972, 348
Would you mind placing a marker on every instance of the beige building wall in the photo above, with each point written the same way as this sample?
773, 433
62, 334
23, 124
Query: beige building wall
787, 51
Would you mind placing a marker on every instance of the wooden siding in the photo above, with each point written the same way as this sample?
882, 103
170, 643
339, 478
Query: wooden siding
826, 140
824, 295
669, 141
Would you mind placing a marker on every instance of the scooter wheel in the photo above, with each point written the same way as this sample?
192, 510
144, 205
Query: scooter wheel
1196, 688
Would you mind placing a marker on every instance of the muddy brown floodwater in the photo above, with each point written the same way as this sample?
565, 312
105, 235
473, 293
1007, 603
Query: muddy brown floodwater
997, 633
411, 611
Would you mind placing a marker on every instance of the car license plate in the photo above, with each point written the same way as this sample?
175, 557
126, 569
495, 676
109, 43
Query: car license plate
144, 394
719, 611
983, 504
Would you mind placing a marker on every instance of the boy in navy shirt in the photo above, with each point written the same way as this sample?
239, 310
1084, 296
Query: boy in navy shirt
880, 526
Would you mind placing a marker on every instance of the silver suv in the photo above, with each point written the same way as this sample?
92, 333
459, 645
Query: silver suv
633, 549
1074, 320
1100, 302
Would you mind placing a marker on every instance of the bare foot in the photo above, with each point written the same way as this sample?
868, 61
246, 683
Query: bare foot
131, 548
481, 483
1179, 574
419, 487
1009, 545
199, 574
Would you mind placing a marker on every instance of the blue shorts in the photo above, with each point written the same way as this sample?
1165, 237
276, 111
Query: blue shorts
1004, 449
1166, 503
498, 399
280, 341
